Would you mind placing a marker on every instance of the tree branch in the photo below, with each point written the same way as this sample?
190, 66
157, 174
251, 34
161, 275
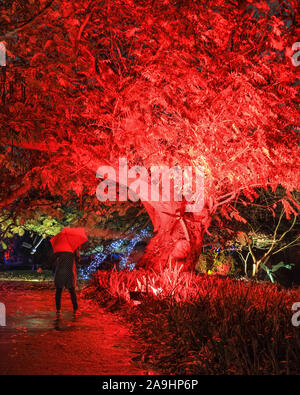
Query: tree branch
48, 147
15, 194
290, 228
292, 243
22, 26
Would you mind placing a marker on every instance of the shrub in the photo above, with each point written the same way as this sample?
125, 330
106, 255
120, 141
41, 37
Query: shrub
200, 324
223, 264
202, 264
216, 263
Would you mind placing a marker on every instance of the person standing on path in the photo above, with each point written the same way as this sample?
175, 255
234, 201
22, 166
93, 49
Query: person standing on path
65, 276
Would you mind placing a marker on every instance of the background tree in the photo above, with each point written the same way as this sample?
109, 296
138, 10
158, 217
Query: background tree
272, 227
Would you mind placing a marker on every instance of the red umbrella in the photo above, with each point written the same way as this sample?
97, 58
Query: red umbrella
68, 240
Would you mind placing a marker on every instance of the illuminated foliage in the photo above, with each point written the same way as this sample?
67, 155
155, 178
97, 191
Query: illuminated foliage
206, 83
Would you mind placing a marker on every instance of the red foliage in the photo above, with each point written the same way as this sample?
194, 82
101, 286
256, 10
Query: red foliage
188, 83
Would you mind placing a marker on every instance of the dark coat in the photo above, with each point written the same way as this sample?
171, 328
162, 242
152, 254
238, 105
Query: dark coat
65, 269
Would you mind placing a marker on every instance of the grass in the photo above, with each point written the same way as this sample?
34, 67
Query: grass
26, 275
200, 324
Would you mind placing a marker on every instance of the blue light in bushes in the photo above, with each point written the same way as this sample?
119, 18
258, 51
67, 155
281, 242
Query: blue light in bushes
100, 257
143, 234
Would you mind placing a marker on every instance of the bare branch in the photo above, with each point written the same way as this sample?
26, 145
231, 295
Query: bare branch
292, 243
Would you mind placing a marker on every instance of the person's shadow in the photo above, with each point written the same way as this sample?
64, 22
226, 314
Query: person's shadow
59, 324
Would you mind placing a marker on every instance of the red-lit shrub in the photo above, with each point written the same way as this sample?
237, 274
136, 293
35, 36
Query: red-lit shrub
200, 324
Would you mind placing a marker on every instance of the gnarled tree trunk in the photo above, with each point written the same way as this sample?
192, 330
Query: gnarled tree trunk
177, 236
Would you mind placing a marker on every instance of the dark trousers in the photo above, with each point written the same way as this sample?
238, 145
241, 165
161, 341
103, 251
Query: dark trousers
72, 294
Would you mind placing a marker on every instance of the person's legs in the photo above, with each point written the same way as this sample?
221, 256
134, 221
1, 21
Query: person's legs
73, 298
58, 298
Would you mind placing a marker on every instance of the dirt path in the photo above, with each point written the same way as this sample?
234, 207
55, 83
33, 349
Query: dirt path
35, 342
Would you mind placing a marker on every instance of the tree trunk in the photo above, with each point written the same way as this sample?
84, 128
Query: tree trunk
177, 236
255, 269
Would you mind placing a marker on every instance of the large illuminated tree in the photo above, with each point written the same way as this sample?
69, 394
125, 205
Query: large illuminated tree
198, 83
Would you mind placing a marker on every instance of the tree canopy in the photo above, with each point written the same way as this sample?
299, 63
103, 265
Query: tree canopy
200, 83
